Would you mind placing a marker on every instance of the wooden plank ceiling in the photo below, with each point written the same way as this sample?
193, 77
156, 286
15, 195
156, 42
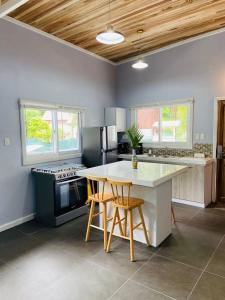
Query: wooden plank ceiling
164, 22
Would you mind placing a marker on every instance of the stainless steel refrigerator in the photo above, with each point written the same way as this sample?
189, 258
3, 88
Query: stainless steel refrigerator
99, 145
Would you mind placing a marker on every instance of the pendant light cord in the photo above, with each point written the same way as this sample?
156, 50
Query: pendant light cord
139, 32
109, 12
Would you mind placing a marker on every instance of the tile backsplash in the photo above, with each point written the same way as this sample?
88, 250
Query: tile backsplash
197, 148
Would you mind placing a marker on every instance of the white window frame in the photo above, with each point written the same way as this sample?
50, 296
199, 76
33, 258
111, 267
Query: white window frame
56, 155
178, 145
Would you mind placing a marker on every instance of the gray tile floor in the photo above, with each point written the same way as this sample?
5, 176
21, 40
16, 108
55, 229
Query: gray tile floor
55, 263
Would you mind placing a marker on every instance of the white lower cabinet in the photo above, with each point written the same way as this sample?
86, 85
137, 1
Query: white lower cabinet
196, 185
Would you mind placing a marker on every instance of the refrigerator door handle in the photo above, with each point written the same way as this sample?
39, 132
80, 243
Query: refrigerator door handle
109, 150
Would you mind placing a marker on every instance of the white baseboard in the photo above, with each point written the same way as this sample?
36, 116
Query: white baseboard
16, 222
186, 202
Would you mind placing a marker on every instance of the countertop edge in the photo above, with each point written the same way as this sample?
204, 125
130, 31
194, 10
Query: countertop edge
169, 160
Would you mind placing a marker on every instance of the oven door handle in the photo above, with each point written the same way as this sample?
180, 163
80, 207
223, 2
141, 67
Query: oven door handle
69, 181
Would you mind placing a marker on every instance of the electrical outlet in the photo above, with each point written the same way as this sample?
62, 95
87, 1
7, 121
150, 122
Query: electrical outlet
202, 136
7, 141
197, 136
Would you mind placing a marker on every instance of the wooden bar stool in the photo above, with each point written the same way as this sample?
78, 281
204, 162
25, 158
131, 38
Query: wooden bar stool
96, 194
173, 214
127, 204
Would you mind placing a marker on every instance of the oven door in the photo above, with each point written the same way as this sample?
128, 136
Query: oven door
70, 194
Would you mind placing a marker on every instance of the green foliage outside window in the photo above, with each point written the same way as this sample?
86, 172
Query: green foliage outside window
36, 127
176, 113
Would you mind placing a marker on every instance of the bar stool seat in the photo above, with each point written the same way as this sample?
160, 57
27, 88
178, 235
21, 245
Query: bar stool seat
100, 197
133, 202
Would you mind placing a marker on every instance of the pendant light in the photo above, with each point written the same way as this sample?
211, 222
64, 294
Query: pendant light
140, 64
110, 36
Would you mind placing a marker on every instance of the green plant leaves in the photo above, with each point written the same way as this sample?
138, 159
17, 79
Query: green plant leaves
135, 136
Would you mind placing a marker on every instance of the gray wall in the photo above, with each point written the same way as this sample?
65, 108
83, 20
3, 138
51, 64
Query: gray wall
35, 67
196, 69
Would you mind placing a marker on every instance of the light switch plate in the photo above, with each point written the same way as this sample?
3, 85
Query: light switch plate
7, 141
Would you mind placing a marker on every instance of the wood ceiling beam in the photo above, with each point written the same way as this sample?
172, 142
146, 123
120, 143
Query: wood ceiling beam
9, 6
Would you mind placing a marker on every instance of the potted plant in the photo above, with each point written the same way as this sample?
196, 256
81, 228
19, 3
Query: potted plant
135, 136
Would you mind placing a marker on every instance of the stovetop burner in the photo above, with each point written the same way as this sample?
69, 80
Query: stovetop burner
60, 171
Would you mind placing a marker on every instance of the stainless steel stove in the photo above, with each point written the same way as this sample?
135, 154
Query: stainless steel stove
60, 194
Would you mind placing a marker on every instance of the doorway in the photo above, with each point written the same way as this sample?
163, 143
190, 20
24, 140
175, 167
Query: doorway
220, 151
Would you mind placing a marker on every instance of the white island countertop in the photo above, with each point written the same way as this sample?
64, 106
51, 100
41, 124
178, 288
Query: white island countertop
147, 174
189, 161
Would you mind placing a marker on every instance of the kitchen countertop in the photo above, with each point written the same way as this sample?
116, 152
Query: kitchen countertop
190, 161
147, 174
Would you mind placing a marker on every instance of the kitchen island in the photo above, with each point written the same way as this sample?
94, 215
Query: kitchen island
195, 187
151, 182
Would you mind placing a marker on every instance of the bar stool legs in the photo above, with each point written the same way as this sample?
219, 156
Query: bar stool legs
112, 229
173, 214
104, 222
105, 225
92, 209
131, 235
143, 225
128, 213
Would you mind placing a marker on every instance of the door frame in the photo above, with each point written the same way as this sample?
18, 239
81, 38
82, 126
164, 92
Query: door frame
215, 132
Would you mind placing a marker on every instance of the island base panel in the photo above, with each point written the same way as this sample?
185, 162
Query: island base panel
156, 211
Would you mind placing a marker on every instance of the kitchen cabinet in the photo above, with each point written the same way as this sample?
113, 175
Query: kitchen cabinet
116, 116
195, 186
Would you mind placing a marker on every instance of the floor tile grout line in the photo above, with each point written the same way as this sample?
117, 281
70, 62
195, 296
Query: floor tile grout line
210, 259
110, 297
152, 289
211, 273
159, 292
104, 268
26, 233
180, 262
189, 220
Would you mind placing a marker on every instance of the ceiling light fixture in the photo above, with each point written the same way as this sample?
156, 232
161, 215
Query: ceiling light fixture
110, 36
140, 64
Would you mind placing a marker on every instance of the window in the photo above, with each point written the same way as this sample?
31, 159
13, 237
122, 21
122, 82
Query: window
49, 132
168, 125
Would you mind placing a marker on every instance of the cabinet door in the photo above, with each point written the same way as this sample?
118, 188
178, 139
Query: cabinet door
120, 119
110, 116
190, 185
116, 116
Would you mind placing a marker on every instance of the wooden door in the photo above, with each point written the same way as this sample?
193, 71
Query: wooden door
221, 152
